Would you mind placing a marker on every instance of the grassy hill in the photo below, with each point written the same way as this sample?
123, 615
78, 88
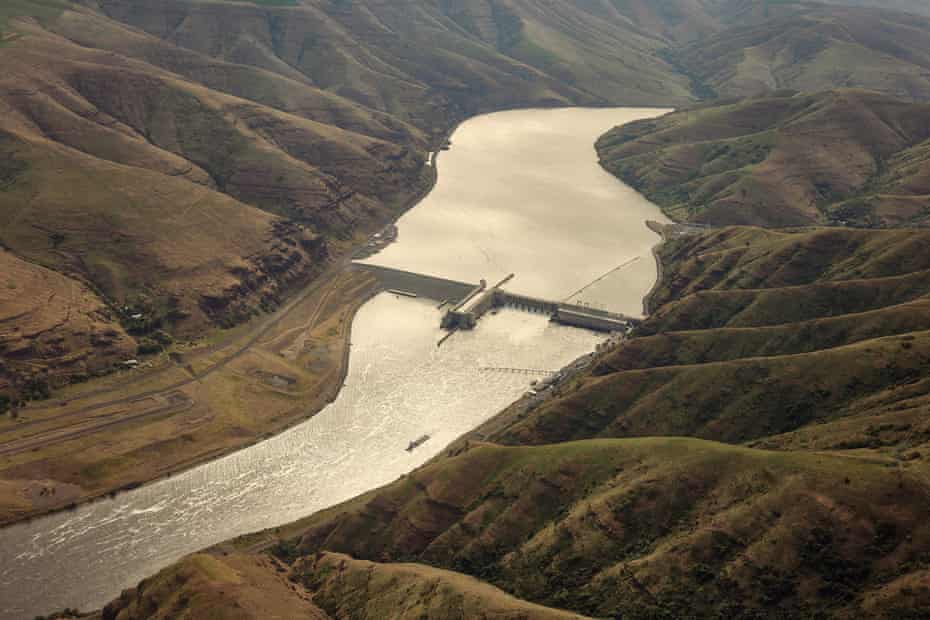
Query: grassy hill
346, 587
58, 323
843, 156
130, 129
825, 319
812, 48
315, 117
645, 528
729, 462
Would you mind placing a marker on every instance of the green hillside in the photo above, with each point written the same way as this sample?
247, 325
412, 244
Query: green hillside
791, 480
840, 157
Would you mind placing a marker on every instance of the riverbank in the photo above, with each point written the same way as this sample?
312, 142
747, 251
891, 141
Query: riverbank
137, 444
659, 229
166, 428
666, 232
399, 385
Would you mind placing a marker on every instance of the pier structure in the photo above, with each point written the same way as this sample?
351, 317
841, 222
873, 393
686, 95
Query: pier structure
469, 302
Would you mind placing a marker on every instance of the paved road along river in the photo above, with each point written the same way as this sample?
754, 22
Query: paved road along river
518, 192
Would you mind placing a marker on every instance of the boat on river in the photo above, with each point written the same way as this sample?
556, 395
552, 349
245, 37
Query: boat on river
416, 443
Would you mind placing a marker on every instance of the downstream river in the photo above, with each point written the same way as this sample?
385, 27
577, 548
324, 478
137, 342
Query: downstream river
519, 192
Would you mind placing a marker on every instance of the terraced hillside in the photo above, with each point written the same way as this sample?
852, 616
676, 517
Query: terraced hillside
725, 461
841, 157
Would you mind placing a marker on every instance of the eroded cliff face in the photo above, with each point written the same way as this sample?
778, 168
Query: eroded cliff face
294, 257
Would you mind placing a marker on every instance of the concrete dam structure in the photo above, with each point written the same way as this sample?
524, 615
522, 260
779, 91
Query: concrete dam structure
418, 284
469, 302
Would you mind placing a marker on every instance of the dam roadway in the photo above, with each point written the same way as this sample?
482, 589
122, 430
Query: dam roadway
471, 301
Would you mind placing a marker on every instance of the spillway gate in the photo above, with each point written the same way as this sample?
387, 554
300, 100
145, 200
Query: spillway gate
469, 302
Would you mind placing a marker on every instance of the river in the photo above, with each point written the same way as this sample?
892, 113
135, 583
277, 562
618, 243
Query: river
519, 192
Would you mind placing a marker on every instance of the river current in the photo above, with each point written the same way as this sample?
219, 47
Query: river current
520, 192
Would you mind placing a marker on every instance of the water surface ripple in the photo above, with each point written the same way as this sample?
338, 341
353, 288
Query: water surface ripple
519, 192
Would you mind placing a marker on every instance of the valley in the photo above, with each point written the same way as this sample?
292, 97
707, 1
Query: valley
799, 485
202, 400
399, 384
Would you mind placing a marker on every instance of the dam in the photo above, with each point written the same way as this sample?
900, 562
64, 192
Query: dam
469, 302
508, 177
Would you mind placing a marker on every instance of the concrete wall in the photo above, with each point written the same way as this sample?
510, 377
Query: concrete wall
431, 287
504, 298
589, 321
471, 301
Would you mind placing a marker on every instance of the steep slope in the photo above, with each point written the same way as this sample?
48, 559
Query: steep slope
129, 129
818, 514
653, 528
270, 159
398, 57
826, 320
186, 205
146, 240
627, 51
813, 49
842, 156
52, 322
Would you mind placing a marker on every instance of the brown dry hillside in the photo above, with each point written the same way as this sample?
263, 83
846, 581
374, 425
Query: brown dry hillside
192, 207
195, 161
790, 329
51, 321
407, 57
844, 156
228, 588
149, 186
812, 48
129, 128
242, 586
